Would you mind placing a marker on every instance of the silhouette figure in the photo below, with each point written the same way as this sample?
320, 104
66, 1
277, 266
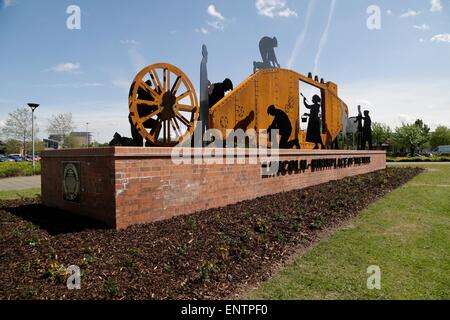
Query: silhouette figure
313, 131
204, 103
367, 131
218, 90
143, 110
281, 123
359, 131
267, 47
119, 141
244, 123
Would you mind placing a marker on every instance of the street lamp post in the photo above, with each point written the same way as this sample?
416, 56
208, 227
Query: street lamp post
33, 107
87, 134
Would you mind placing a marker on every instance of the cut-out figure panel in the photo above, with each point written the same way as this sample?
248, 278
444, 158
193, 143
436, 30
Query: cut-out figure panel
281, 123
313, 131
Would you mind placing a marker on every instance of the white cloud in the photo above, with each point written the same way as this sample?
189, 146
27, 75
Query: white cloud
445, 37
301, 37
65, 67
212, 11
287, 13
389, 12
216, 25
324, 38
422, 27
272, 8
202, 30
436, 6
8, 3
421, 40
410, 13
129, 41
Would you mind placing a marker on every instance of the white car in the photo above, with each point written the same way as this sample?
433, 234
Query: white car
441, 150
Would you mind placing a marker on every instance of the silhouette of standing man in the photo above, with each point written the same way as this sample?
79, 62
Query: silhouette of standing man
367, 131
281, 123
313, 131
359, 132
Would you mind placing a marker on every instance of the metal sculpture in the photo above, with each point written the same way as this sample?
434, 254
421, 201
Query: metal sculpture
204, 91
164, 111
359, 132
367, 131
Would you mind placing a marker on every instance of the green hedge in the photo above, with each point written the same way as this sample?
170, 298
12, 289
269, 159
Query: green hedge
419, 159
15, 169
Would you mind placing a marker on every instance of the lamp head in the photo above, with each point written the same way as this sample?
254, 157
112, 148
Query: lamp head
33, 106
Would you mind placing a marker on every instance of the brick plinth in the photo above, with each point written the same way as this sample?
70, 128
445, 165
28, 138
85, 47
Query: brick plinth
126, 186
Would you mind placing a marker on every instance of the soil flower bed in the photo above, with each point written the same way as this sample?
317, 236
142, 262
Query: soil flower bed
206, 255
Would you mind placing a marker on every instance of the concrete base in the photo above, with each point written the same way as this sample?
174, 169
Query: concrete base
123, 186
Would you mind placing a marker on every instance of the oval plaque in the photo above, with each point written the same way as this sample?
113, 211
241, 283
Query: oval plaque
71, 181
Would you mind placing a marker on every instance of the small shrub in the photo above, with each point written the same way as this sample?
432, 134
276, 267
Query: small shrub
87, 260
192, 222
206, 270
33, 241
55, 272
261, 225
112, 288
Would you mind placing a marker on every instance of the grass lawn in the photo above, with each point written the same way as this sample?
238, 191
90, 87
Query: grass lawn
406, 234
17, 194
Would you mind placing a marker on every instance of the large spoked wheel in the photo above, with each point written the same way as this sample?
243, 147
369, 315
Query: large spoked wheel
163, 105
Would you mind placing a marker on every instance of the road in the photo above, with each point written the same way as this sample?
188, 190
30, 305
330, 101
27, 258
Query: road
20, 183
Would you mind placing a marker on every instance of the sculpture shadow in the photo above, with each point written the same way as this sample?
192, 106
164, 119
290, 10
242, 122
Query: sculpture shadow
55, 221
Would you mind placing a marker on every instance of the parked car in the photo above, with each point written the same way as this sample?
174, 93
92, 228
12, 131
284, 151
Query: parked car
441, 150
16, 157
29, 158
4, 158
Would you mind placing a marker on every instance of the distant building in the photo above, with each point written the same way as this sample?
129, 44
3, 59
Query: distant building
56, 137
51, 144
79, 140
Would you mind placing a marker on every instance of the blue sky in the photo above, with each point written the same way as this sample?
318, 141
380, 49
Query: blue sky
399, 72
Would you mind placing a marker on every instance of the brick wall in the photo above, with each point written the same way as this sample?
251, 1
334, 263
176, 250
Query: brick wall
125, 186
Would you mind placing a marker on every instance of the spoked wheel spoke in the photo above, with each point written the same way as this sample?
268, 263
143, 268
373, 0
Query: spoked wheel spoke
148, 89
150, 116
161, 115
184, 95
185, 107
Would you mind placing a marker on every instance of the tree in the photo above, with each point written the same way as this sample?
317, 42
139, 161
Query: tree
440, 137
422, 126
381, 133
18, 125
2, 147
39, 146
61, 124
70, 143
426, 131
12, 146
411, 137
